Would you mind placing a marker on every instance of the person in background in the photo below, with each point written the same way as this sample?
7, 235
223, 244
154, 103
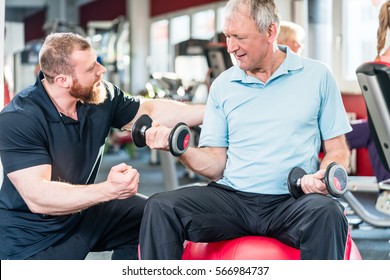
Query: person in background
291, 35
250, 140
383, 54
50, 205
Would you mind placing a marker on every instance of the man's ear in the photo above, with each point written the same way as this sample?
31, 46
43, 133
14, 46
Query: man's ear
63, 81
272, 32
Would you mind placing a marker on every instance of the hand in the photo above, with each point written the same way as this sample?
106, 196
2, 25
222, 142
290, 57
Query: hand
313, 183
123, 181
157, 137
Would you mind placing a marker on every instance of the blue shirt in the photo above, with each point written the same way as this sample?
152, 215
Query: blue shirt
269, 128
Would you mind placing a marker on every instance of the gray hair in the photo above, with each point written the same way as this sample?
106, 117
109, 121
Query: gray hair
264, 12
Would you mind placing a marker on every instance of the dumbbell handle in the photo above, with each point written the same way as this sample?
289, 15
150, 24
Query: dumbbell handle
298, 182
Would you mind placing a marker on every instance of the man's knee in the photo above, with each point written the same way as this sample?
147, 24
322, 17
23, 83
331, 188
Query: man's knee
326, 208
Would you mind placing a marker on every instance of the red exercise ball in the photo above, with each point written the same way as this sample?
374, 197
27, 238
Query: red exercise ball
252, 248
242, 248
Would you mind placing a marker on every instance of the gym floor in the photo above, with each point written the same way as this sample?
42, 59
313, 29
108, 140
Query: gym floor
373, 243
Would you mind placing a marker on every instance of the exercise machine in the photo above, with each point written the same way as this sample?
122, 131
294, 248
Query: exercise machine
374, 80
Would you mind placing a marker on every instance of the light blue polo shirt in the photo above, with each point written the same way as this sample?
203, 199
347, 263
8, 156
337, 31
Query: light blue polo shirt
271, 127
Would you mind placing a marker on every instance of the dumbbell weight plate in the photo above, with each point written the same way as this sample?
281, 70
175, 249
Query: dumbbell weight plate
138, 130
179, 139
336, 179
295, 174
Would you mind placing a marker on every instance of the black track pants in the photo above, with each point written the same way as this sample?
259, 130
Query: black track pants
108, 226
314, 223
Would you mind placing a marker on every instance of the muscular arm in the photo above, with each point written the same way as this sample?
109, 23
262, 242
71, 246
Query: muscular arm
168, 112
60, 198
165, 115
209, 162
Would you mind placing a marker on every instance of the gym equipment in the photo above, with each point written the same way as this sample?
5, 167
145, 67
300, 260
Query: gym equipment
335, 179
374, 81
253, 248
179, 137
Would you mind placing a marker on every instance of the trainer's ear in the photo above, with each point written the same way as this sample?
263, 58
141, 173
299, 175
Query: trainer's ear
63, 81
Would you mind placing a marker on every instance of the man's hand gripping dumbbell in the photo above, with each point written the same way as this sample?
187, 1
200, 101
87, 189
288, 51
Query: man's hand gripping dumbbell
335, 179
176, 140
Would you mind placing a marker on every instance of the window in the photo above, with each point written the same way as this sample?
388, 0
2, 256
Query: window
167, 31
159, 46
220, 18
180, 29
342, 34
360, 24
203, 26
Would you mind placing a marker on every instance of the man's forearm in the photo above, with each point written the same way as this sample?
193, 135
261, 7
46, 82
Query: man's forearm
207, 162
341, 156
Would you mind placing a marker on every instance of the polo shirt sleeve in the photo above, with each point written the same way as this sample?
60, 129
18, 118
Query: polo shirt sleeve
125, 106
214, 131
22, 141
333, 119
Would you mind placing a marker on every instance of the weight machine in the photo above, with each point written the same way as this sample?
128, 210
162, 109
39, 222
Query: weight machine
374, 80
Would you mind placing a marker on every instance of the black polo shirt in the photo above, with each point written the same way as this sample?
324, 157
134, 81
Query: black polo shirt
33, 133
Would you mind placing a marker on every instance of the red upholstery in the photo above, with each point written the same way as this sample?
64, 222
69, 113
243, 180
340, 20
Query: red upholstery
125, 139
252, 248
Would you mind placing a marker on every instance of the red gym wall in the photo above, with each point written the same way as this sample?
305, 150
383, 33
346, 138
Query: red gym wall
107, 10
158, 7
33, 26
102, 10
96, 10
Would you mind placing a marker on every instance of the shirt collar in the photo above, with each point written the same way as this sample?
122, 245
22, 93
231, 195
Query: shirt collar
292, 62
43, 100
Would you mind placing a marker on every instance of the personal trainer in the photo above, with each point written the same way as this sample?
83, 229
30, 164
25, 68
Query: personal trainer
52, 140
264, 116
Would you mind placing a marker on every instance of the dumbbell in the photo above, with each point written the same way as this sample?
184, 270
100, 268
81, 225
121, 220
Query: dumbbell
335, 179
179, 137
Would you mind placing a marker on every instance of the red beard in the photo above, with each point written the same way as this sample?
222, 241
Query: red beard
94, 94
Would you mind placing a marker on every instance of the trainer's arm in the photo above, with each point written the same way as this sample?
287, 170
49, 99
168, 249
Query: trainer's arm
209, 162
168, 112
48, 197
